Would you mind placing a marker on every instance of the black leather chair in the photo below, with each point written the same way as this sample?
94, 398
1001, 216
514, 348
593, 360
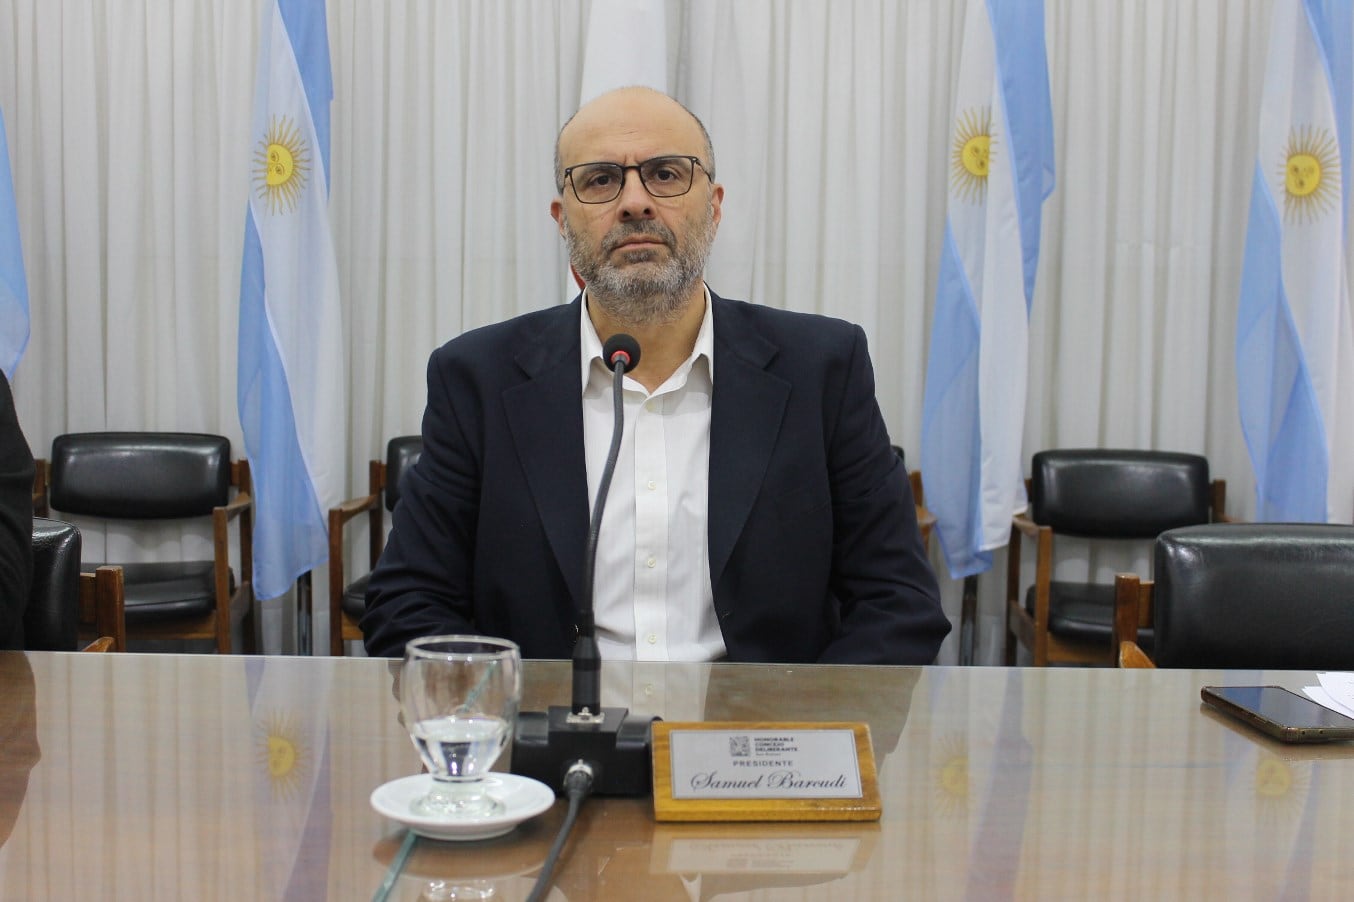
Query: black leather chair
174, 476
65, 604
1096, 494
1271, 596
348, 601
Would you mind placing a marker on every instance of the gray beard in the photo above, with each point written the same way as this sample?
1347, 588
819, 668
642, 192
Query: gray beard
643, 294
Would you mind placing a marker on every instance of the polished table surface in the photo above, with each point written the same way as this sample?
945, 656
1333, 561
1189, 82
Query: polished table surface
198, 777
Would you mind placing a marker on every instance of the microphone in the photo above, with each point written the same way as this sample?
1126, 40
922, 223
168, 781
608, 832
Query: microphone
621, 350
612, 745
620, 353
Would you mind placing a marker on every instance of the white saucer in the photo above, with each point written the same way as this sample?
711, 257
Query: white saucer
522, 797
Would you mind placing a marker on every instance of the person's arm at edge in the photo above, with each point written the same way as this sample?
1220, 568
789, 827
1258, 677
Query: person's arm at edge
423, 584
890, 600
16, 521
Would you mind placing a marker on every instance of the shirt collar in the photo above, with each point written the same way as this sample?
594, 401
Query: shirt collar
591, 345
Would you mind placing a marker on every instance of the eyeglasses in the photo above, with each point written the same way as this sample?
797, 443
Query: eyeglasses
601, 183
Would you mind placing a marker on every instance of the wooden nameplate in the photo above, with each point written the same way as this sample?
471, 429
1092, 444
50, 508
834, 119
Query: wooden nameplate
764, 771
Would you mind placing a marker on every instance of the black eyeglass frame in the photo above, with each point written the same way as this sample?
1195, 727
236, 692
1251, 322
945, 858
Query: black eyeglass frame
639, 173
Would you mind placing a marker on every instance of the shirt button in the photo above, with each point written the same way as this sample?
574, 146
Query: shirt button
651, 563
648, 689
652, 639
652, 485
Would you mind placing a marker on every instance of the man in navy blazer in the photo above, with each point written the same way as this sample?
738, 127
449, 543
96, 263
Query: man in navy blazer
811, 548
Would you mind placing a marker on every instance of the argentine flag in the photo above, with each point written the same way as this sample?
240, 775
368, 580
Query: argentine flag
13, 284
293, 804
290, 389
1295, 341
1001, 170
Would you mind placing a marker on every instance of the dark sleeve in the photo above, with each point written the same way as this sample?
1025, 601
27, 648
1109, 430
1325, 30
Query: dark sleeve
890, 600
423, 583
16, 521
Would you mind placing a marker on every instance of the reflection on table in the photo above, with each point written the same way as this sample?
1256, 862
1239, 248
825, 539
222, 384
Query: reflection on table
165, 776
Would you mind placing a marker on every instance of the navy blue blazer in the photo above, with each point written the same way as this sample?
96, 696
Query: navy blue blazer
815, 554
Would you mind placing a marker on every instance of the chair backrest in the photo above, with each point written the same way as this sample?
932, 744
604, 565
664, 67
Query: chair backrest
1277, 596
402, 452
1104, 493
52, 618
139, 475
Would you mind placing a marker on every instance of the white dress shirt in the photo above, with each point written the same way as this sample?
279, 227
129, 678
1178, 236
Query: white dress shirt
652, 598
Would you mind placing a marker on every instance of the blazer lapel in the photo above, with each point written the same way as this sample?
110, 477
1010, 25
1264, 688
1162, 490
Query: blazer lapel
545, 415
745, 421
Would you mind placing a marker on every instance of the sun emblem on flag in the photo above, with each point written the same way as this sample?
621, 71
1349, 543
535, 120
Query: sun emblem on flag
282, 753
971, 154
281, 165
1280, 791
1310, 174
952, 776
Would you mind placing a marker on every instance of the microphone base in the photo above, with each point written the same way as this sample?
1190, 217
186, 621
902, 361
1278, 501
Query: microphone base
617, 749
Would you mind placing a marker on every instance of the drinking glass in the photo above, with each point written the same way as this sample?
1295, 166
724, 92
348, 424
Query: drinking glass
459, 695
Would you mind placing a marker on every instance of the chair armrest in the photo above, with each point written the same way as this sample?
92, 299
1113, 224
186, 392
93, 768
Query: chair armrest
241, 600
103, 606
341, 513
926, 521
1027, 526
1132, 611
1131, 656
1218, 502
242, 502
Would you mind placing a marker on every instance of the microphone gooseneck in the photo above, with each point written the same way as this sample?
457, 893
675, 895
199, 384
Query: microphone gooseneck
583, 748
621, 354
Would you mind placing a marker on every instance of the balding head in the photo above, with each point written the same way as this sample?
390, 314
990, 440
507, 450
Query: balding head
631, 120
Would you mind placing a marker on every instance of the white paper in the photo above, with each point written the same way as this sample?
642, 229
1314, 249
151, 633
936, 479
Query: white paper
1335, 692
1340, 687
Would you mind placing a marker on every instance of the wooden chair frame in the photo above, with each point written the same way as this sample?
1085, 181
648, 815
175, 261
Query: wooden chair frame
216, 625
1132, 610
925, 519
1031, 630
343, 627
102, 609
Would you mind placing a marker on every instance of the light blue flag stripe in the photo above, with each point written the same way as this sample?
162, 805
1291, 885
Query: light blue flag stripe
291, 533
952, 426
14, 315
951, 443
1022, 62
309, 33
1280, 415
1333, 25
285, 284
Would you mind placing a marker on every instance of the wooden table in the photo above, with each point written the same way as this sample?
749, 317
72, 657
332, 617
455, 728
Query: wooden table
199, 777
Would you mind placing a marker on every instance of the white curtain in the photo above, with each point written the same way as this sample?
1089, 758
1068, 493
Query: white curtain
128, 124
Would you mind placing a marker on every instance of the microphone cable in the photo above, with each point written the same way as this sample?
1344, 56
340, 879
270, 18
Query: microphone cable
577, 786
